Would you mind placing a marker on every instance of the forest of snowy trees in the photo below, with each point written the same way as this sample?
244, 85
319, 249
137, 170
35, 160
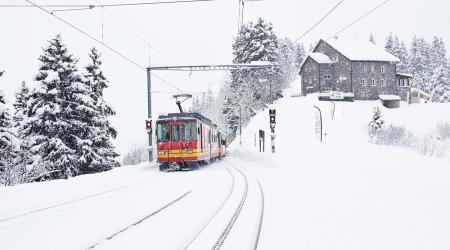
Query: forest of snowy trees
427, 62
59, 127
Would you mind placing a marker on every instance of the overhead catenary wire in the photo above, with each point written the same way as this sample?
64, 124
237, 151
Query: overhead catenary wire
318, 22
142, 39
358, 19
113, 50
106, 5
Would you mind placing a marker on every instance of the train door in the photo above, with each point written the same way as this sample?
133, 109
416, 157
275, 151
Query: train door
175, 144
209, 143
201, 138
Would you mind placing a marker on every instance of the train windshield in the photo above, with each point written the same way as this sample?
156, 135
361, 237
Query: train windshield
162, 132
189, 131
175, 133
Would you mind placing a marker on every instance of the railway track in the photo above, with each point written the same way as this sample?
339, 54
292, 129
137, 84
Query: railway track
236, 215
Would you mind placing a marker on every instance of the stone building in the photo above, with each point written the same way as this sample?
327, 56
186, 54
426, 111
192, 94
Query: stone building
357, 67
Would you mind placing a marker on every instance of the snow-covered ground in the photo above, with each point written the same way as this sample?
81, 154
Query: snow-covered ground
345, 193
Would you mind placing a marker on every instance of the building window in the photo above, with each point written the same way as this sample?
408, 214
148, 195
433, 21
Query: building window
383, 82
372, 68
401, 82
364, 94
407, 82
306, 79
315, 78
336, 58
327, 76
372, 82
383, 69
310, 80
363, 82
327, 89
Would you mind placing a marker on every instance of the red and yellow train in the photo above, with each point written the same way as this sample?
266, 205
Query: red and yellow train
187, 140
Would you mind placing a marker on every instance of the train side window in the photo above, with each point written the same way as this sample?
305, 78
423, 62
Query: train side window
188, 130
175, 133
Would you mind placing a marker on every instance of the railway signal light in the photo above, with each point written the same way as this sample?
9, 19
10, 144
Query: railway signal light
272, 116
148, 126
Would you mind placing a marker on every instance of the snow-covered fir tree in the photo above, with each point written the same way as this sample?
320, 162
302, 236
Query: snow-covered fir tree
372, 39
55, 128
300, 54
255, 42
6, 145
286, 60
97, 151
21, 103
440, 85
376, 124
438, 53
389, 43
420, 64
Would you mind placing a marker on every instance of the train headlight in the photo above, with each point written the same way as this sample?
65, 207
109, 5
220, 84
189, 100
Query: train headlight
190, 151
161, 152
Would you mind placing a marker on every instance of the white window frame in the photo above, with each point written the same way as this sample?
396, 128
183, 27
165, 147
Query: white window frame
336, 58
383, 69
363, 82
383, 82
372, 82
372, 68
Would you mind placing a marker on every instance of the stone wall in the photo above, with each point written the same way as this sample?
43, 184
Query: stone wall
308, 73
385, 82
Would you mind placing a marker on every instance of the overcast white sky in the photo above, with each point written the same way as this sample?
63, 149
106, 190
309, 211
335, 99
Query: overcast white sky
189, 33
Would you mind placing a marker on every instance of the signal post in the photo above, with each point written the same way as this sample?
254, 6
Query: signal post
272, 113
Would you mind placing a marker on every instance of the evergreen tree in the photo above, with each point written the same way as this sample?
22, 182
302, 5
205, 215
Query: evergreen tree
389, 43
438, 53
97, 151
371, 39
403, 55
255, 42
420, 64
440, 85
53, 129
300, 54
20, 104
376, 124
7, 170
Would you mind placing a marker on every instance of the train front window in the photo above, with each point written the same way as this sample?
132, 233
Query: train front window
175, 133
189, 131
162, 132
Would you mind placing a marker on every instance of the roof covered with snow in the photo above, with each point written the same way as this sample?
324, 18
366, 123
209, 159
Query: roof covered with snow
406, 75
320, 58
357, 50
390, 97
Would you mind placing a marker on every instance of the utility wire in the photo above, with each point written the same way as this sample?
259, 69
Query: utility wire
105, 46
107, 5
358, 19
318, 22
142, 39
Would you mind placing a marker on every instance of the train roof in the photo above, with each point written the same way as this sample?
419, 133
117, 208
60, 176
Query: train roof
181, 116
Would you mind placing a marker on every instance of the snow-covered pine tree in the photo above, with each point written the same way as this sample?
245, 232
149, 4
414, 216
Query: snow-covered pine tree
438, 53
7, 170
255, 42
372, 39
53, 129
389, 43
440, 85
403, 55
286, 60
300, 54
420, 64
98, 152
376, 123
20, 104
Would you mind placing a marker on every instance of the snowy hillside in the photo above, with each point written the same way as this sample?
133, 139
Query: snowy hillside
347, 194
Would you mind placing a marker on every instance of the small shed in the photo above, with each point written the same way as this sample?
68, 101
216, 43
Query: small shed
390, 101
